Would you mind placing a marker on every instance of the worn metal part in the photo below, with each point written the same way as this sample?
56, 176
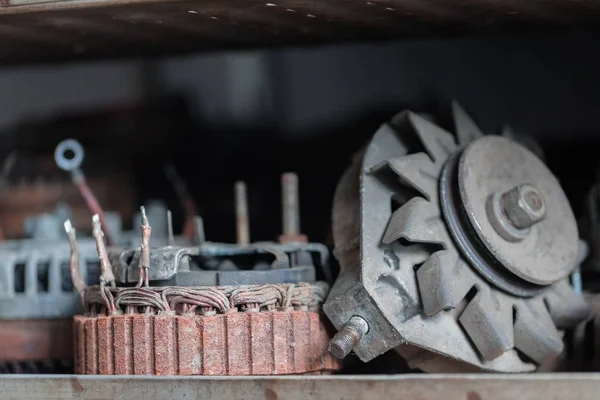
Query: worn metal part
494, 164
498, 218
423, 265
182, 329
234, 330
214, 264
434, 387
473, 250
48, 226
106, 276
223, 299
350, 387
144, 263
524, 206
348, 337
242, 343
74, 269
242, 222
292, 260
69, 156
35, 278
290, 207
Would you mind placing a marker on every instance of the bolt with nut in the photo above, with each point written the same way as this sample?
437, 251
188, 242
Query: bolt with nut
515, 211
524, 206
348, 337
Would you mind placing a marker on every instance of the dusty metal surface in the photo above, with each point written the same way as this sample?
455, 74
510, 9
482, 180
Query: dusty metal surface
215, 263
291, 260
431, 387
46, 30
34, 340
426, 284
244, 343
35, 280
496, 165
205, 300
235, 330
202, 328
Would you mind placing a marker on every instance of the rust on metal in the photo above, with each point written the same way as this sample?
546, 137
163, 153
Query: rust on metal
269, 329
74, 265
36, 340
146, 232
237, 343
107, 276
290, 210
372, 387
293, 238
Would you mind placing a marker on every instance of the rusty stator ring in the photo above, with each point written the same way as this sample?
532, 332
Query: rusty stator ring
455, 254
269, 329
246, 330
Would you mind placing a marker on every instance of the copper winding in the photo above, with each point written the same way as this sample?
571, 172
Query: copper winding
76, 277
107, 276
146, 231
221, 300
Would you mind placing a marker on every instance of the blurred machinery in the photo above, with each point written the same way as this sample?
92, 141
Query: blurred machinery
37, 296
454, 252
207, 309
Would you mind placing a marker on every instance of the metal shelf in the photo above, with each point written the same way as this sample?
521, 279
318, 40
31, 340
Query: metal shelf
34, 30
410, 386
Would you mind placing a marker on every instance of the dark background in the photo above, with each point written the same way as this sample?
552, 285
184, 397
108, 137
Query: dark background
223, 117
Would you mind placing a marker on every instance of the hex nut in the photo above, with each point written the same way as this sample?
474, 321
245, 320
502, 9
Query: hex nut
524, 206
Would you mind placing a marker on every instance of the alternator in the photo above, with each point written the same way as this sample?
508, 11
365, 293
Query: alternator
455, 254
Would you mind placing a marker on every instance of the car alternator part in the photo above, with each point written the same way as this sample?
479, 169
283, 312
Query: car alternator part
230, 330
37, 298
292, 260
455, 254
35, 282
193, 323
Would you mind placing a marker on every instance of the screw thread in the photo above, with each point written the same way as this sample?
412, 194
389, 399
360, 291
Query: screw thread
348, 337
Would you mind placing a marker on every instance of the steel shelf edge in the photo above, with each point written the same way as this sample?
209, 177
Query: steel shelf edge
416, 386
